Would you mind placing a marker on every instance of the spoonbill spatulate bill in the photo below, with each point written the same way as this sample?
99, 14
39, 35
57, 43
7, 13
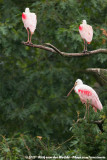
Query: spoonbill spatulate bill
30, 21
87, 95
86, 32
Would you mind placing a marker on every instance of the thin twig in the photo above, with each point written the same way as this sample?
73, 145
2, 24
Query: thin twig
28, 149
64, 142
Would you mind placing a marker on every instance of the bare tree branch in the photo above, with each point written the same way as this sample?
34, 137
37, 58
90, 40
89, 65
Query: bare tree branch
99, 124
51, 48
100, 73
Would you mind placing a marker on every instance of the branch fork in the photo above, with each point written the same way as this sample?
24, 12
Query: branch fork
53, 49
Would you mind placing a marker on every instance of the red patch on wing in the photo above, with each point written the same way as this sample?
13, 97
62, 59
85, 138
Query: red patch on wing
85, 92
23, 16
80, 28
88, 42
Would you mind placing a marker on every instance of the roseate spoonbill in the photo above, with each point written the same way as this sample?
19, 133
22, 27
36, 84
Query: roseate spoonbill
86, 33
87, 95
30, 21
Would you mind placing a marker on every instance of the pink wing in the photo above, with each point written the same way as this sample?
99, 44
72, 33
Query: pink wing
33, 22
86, 93
25, 19
86, 32
30, 21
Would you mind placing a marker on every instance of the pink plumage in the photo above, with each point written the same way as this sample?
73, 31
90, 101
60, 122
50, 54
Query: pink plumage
86, 32
30, 21
87, 95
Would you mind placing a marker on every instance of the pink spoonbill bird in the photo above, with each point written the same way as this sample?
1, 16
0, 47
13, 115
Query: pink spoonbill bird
86, 33
30, 21
87, 95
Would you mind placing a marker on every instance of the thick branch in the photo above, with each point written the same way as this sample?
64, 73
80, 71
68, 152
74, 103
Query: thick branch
100, 73
51, 48
99, 124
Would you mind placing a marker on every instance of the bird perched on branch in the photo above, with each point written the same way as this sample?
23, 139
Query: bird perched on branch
30, 21
87, 95
86, 33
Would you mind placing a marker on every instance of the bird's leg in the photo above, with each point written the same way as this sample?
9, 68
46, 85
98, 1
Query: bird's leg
85, 46
88, 110
28, 35
30, 38
85, 111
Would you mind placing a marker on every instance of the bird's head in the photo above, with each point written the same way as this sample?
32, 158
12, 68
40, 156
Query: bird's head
27, 10
84, 21
78, 82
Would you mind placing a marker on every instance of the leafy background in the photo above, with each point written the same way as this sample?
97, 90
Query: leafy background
34, 83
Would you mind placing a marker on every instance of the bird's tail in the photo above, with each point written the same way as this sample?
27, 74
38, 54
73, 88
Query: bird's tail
100, 107
95, 109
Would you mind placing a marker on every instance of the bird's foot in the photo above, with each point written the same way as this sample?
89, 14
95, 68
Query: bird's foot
30, 43
27, 42
85, 51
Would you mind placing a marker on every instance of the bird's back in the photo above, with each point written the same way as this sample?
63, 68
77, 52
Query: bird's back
86, 32
29, 20
87, 94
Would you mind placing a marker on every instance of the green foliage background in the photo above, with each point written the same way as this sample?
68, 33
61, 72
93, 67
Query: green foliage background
34, 83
